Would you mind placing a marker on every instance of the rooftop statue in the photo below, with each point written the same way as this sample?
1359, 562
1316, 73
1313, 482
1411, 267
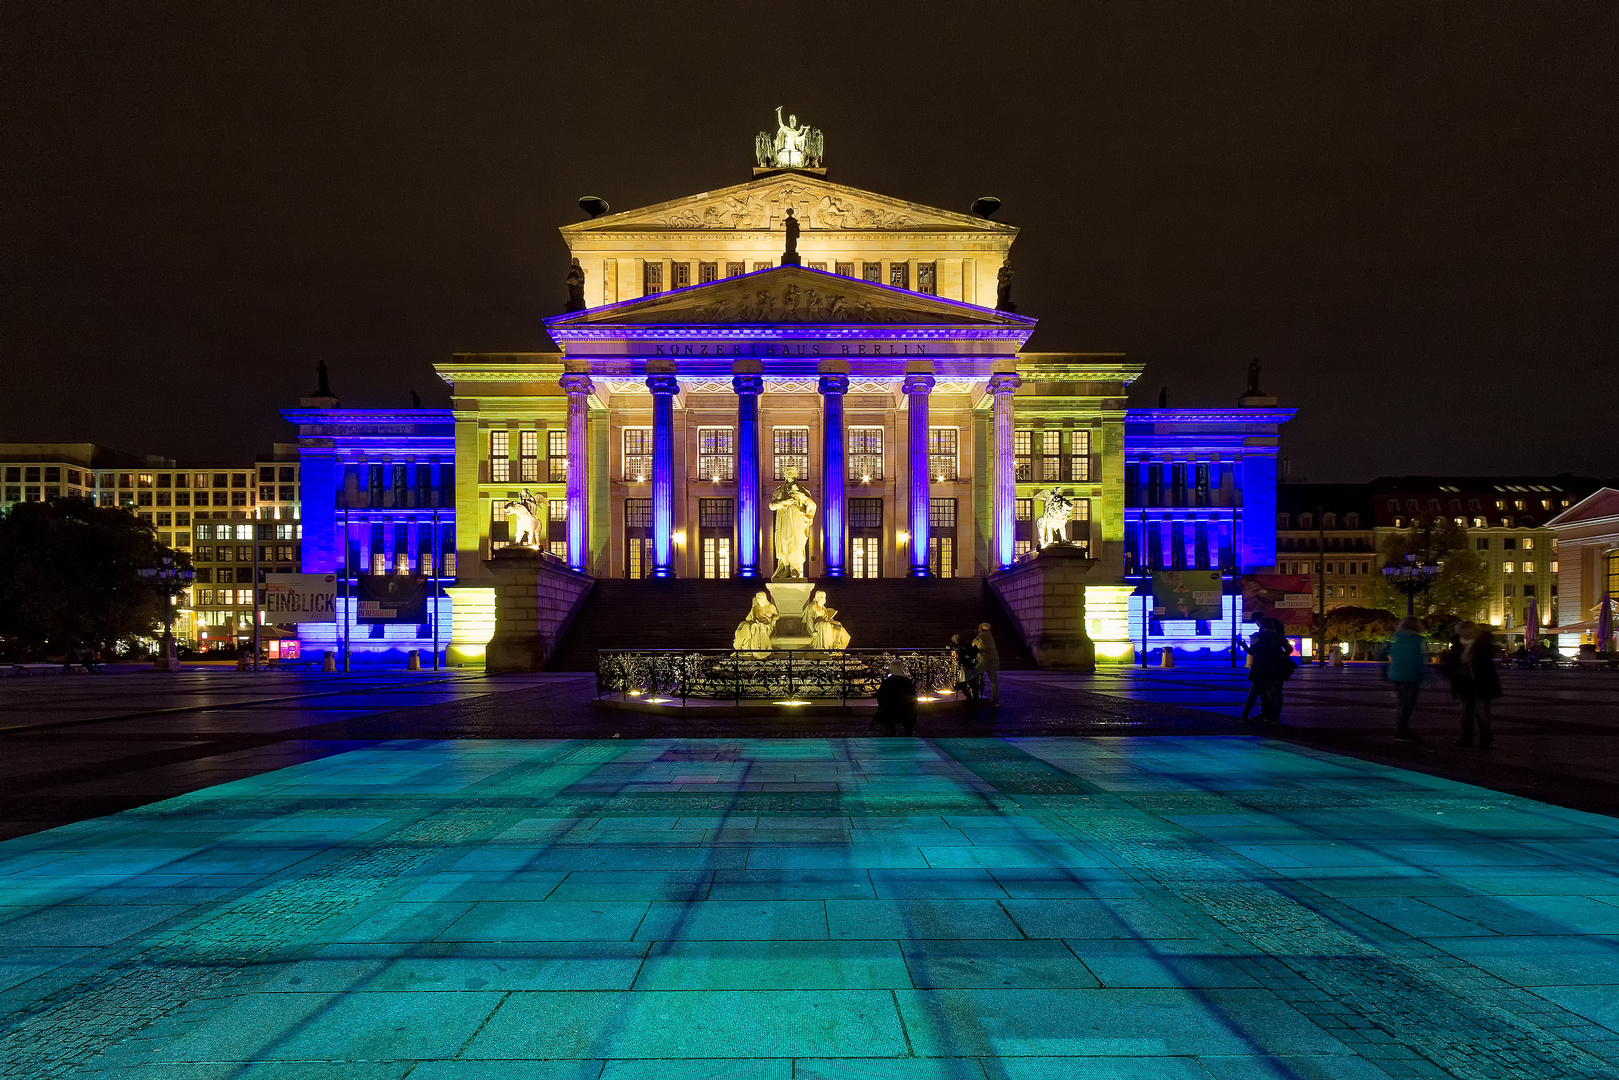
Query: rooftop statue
791, 146
576, 287
1253, 379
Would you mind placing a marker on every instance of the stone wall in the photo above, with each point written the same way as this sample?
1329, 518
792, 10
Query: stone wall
535, 599
1046, 596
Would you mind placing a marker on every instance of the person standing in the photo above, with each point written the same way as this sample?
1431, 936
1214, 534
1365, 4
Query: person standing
1273, 665
1407, 659
1474, 681
966, 666
989, 658
896, 700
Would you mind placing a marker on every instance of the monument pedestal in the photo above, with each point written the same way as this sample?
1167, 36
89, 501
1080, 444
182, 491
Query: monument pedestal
516, 644
790, 597
1046, 595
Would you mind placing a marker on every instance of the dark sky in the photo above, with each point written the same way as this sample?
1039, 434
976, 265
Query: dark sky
1406, 210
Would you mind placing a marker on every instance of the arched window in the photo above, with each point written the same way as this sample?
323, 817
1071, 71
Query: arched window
1351, 521
1394, 505
1472, 504
1282, 520
1456, 505
1329, 521
1612, 576
1433, 504
1306, 520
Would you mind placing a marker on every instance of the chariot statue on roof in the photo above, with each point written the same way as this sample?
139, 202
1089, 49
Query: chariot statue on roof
791, 146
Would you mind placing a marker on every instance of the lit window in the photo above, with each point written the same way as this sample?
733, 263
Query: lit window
557, 455
1023, 455
791, 450
1529, 568
872, 271
637, 453
528, 450
652, 279
942, 453
865, 454
716, 454
1079, 457
500, 457
1529, 543
1478, 523
1507, 568
926, 280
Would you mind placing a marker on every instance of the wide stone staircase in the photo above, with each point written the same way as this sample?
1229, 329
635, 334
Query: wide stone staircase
880, 613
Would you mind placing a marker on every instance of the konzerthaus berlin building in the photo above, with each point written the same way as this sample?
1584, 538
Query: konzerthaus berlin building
720, 342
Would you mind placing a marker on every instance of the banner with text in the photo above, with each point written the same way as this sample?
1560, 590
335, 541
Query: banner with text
300, 598
391, 598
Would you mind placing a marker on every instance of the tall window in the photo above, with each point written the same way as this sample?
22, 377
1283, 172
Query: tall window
557, 454
652, 278
716, 453
899, 275
1023, 455
424, 484
637, 453
528, 450
714, 518
680, 276
942, 453
500, 457
926, 278
735, 269
379, 553
865, 453
942, 538
1079, 455
401, 548
556, 531
872, 271
1612, 577
865, 537
846, 269
791, 446
1050, 456
446, 547
707, 272
638, 537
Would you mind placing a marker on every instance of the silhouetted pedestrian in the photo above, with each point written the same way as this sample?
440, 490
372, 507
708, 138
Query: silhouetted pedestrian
967, 655
1474, 681
990, 657
896, 701
1407, 666
1273, 666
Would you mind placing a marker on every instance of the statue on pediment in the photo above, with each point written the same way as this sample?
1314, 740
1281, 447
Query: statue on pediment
576, 287
1003, 288
792, 146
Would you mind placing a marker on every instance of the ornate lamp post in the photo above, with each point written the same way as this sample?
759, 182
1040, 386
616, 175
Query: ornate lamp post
1411, 578
170, 578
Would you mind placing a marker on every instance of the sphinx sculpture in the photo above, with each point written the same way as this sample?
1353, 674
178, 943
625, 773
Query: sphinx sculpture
754, 631
821, 621
522, 520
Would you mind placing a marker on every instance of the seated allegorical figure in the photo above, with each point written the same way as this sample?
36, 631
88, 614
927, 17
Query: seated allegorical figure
821, 621
755, 630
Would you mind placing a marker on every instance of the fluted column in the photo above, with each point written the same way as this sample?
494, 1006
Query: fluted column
833, 387
917, 388
664, 388
1001, 388
748, 388
578, 388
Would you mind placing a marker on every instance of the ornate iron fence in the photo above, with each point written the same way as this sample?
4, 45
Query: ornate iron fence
776, 675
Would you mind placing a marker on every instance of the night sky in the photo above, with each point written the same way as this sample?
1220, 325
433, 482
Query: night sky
1407, 211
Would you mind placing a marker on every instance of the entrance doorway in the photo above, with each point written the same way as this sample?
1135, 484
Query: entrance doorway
637, 538
715, 528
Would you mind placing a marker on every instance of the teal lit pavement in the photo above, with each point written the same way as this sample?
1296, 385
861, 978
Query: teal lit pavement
1118, 907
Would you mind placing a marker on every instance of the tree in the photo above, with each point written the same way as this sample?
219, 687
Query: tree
1360, 624
1461, 589
70, 576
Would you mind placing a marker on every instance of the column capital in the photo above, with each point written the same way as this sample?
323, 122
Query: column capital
834, 384
576, 382
663, 384
748, 384
918, 384
1004, 383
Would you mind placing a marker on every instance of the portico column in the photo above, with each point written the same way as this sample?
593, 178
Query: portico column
664, 388
748, 388
833, 387
917, 388
1001, 388
578, 387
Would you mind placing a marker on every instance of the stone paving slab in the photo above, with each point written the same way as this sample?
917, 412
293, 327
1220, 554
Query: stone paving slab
1217, 908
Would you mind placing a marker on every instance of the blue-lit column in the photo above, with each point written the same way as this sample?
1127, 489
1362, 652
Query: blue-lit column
748, 388
578, 387
664, 388
1001, 388
917, 388
833, 387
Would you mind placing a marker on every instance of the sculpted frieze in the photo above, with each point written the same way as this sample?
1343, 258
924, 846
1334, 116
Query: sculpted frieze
761, 208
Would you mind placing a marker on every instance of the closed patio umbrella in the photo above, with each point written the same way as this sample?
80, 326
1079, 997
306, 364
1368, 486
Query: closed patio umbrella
1531, 625
1605, 624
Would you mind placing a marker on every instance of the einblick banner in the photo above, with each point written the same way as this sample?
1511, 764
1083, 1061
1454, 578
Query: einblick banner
300, 598
391, 598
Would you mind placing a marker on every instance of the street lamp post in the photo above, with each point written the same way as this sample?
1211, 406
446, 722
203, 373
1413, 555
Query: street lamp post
1411, 578
170, 577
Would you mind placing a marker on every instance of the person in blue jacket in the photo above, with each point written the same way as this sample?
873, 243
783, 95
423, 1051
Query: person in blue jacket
1407, 667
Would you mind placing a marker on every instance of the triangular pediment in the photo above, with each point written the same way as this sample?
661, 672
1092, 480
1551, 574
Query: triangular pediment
790, 294
1602, 503
761, 204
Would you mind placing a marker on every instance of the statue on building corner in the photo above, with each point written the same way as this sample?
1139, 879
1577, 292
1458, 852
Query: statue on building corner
522, 520
794, 511
1253, 380
325, 387
576, 287
790, 256
1003, 288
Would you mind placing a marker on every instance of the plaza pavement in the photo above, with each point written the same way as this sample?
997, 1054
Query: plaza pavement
387, 877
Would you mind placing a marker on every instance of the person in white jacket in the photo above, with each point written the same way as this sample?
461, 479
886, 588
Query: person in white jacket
990, 660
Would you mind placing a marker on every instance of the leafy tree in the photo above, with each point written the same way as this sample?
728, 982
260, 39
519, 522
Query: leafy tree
70, 576
1461, 589
1360, 624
